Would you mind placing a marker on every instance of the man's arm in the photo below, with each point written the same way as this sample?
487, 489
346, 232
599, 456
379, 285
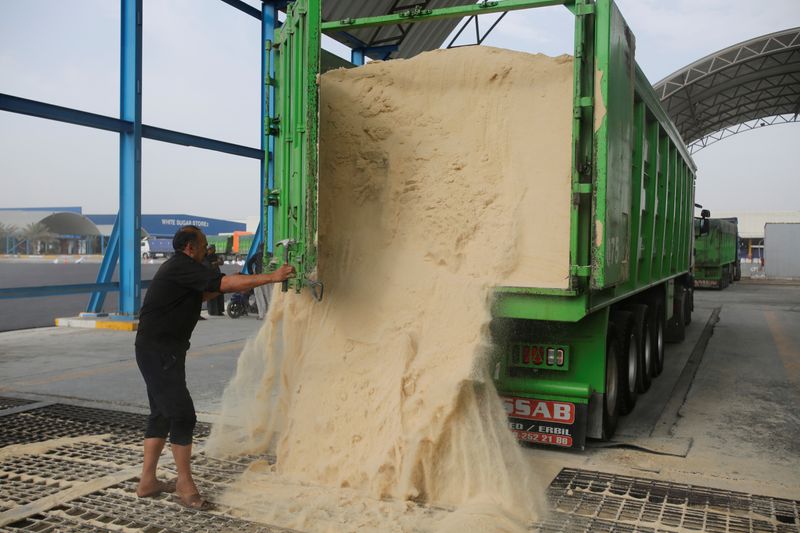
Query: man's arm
245, 282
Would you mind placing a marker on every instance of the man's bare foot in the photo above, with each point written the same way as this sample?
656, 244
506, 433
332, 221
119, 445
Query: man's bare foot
193, 501
188, 495
154, 488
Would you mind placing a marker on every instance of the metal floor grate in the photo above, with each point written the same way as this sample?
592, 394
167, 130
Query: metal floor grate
16, 489
581, 501
121, 456
162, 514
61, 420
58, 469
50, 523
657, 504
8, 403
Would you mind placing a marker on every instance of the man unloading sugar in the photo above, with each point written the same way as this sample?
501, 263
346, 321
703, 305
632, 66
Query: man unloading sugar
169, 314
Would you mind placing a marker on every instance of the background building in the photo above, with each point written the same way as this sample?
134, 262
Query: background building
66, 230
751, 230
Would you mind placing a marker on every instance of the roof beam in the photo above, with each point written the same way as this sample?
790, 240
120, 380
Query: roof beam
34, 108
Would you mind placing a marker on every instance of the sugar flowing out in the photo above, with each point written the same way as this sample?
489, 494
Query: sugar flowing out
440, 177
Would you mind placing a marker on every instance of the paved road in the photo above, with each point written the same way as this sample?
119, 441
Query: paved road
736, 426
40, 312
736, 423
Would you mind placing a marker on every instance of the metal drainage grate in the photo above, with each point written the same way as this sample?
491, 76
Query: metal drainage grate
28, 427
99, 453
122, 421
566, 523
8, 403
581, 501
647, 503
151, 515
61, 420
17, 490
44, 467
55, 524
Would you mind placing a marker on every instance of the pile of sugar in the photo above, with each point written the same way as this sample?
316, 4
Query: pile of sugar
440, 177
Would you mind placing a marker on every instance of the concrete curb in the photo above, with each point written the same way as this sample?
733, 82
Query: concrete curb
94, 323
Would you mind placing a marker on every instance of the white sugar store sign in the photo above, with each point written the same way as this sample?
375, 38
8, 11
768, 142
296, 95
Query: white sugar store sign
184, 222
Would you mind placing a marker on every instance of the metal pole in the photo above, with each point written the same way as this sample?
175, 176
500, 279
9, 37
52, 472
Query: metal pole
357, 56
269, 18
130, 161
106, 272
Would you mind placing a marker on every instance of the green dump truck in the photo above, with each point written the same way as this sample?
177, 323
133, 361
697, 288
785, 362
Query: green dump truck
716, 252
570, 360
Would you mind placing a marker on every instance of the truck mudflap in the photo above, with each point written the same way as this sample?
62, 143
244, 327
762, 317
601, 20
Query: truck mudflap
549, 422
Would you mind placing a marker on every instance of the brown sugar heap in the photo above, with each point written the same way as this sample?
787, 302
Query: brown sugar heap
440, 177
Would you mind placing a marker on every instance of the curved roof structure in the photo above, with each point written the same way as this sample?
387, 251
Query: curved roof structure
752, 84
60, 223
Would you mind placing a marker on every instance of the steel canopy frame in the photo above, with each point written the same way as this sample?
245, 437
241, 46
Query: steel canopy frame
296, 178
124, 243
742, 87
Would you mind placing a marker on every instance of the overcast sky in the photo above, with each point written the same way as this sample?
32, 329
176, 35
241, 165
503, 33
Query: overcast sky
201, 76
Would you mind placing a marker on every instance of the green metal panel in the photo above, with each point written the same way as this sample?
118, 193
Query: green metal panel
650, 177
586, 373
540, 306
612, 200
663, 203
637, 185
297, 65
582, 146
417, 13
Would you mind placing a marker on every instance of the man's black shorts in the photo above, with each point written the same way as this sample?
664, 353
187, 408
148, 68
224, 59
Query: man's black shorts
171, 408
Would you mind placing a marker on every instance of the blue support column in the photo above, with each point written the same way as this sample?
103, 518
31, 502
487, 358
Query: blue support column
130, 158
106, 271
357, 56
269, 16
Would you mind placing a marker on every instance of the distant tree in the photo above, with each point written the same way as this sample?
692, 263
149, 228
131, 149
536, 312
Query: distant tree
37, 233
6, 232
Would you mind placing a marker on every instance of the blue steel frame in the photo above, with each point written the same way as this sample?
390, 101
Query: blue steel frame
124, 243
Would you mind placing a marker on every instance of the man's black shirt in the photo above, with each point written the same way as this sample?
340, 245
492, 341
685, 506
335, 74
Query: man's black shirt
172, 304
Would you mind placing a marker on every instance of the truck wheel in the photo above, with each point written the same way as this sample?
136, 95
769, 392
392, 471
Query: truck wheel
688, 305
657, 341
677, 324
629, 359
611, 398
646, 355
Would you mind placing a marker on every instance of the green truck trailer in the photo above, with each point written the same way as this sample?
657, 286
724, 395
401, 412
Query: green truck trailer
570, 360
716, 252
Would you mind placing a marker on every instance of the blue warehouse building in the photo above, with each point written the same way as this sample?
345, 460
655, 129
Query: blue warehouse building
67, 230
165, 225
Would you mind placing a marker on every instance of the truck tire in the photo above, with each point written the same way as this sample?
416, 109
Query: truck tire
646, 359
688, 307
677, 324
630, 345
611, 397
657, 327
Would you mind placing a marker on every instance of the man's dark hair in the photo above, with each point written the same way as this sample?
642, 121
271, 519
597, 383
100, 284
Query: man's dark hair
184, 236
